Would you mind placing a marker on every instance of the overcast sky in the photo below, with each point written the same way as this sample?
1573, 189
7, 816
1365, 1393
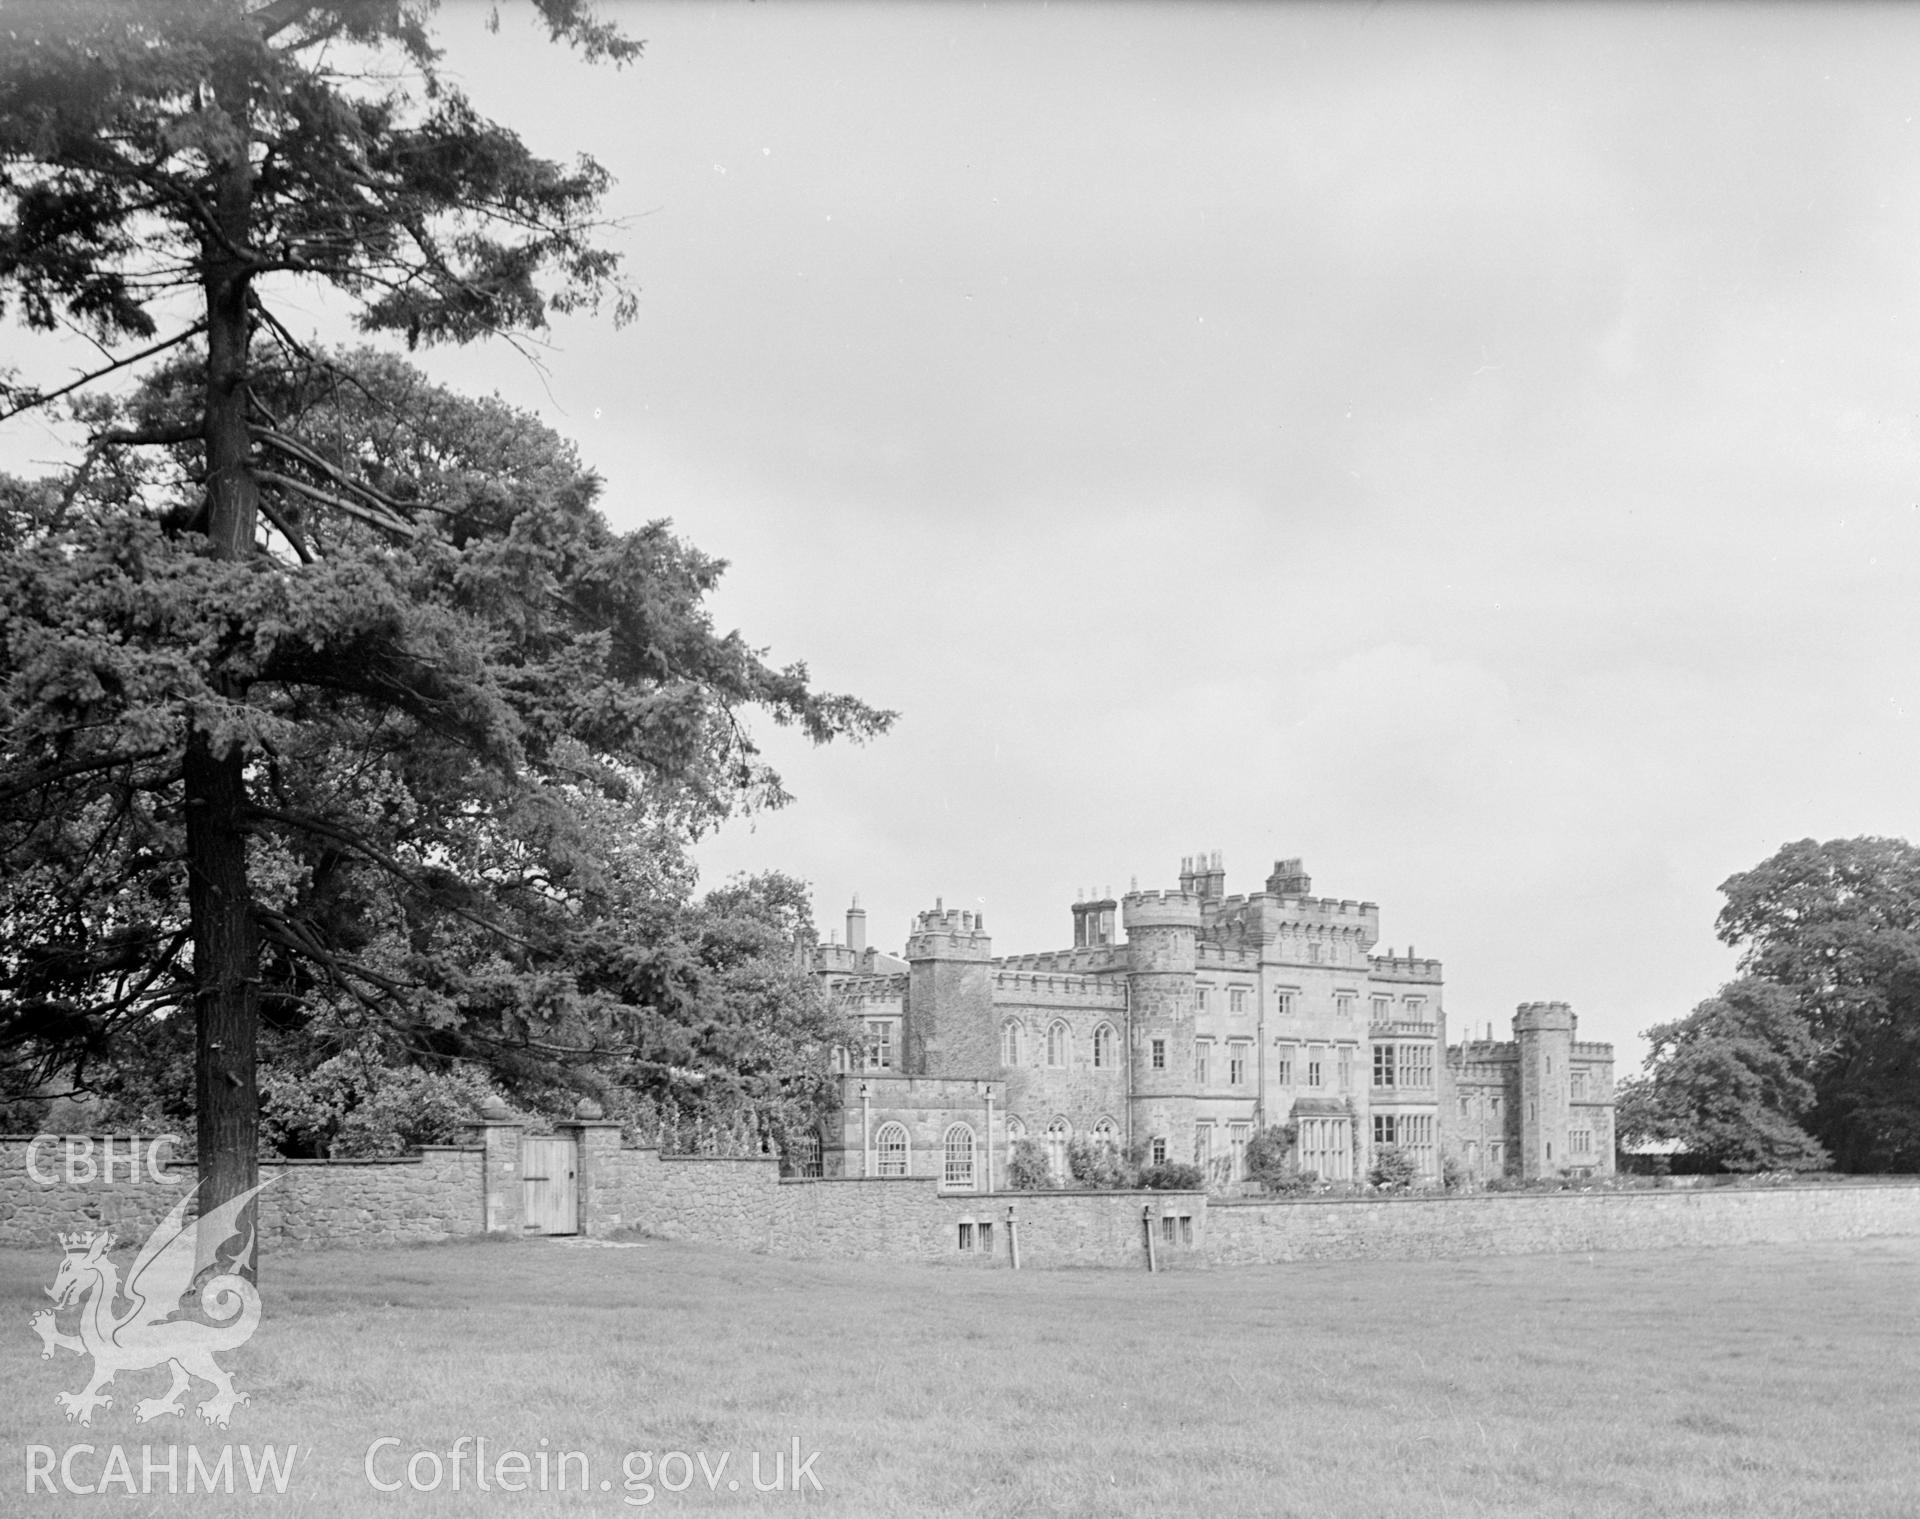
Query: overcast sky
1471, 448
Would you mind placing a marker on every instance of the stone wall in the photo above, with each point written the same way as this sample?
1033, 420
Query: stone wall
433, 1195
1518, 1223
1084, 1228
743, 1204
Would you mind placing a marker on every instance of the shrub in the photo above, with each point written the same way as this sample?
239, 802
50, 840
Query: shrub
1453, 1175
1393, 1169
351, 1107
1270, 1161
1094, 1163
1027, 1168
1171, 1176
1290, 1181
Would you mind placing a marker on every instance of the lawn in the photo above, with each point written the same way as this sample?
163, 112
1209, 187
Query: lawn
1747, 1381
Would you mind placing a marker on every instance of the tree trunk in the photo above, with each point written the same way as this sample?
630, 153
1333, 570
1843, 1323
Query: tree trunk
226, 960
226, 945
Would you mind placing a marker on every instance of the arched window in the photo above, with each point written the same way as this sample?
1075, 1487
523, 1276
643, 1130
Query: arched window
1107, 1132
890, 1149
1057, 1045
1059, 1133
958, 1173
1103, 1047
1010, 1042
1016, 1131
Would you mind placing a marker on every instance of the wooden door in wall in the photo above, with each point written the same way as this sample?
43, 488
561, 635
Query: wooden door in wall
550, 1183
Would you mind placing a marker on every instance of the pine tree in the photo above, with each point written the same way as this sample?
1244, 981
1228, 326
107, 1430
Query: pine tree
192, 160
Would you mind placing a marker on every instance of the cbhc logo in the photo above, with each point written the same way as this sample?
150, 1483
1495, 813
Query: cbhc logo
79, 1165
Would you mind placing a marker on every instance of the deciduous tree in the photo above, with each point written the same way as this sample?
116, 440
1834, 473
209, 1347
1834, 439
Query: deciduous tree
1730, 1082
1837, 926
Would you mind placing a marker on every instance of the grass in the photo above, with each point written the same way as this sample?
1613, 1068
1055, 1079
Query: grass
1745, 1381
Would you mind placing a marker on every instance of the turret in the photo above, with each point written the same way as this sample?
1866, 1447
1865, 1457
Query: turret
1543, 1033
948, 1029
1163, 929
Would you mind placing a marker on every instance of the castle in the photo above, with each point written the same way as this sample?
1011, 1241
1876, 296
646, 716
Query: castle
1216, 1016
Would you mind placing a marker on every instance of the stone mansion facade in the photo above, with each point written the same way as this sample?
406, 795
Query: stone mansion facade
1213, 1017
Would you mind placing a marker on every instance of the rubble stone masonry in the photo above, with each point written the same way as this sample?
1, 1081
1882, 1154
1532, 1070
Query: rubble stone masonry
744, 1204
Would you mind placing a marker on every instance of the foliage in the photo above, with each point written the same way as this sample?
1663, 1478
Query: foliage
481, 750
1393, 1169
1727, 1081
1837, 926
743, 1048
1269, 1160
1171, 1176
147, 147
1454, 1176
1097, 1164
1028, 1169
203, 152
352, 1106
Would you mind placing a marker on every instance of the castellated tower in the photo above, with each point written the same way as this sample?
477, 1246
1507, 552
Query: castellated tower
1544, 1034
1163, 928
948, 1028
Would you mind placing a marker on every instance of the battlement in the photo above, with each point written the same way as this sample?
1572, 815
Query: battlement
1080, 991
1104, 957
857, 990
1160, 909
1543, 1017
1342, 929
1590, 1049
1407, 967
944, 934
952, 921
1292, 909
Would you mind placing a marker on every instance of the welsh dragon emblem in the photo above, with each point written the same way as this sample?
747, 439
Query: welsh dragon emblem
145, 1332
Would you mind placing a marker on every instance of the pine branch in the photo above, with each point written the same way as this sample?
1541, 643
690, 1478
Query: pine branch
386, 862
272, 514
293, 936
404, 530
40, 398
52, 774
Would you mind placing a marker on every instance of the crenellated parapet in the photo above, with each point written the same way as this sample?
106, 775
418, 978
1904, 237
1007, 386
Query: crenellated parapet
945, 934
1297, 929
870, 986
1060, 991
1543, 1017
1070, 961
1160, 909
1409, 968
